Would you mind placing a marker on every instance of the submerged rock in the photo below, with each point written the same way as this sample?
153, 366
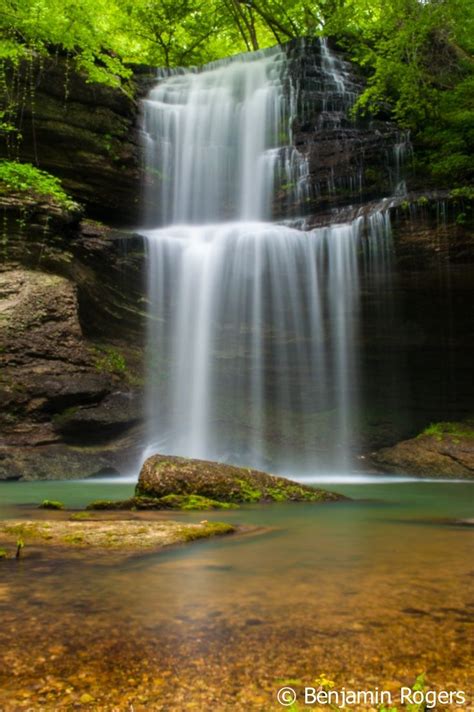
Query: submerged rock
128, 535
170, 501
444, 450
162, 476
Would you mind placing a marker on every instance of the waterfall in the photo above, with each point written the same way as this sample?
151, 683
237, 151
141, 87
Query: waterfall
253, 325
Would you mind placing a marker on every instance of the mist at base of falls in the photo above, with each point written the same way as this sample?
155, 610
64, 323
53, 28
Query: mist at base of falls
252, 353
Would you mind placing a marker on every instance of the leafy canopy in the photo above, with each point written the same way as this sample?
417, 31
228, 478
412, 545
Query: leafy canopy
417, 55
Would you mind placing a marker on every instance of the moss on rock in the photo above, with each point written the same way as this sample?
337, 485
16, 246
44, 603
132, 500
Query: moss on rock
193, 501
51, 504
452, 430
171, 501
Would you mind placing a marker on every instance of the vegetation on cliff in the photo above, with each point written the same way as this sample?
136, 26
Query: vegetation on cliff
417, 56
22, 178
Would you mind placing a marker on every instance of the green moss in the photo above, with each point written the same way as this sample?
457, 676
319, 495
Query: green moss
109, 360
193, 502
208, 529
249, 492
464, 193
279, 493
3, 554
100, 504
80, 516
51, 504
285, 493
372, 175
183, 502
28, 530
64, 416
450, 429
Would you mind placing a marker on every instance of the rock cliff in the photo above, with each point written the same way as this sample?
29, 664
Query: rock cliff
71, 393
84, 133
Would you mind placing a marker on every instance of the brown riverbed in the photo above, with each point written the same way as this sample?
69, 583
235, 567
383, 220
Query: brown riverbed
371, 594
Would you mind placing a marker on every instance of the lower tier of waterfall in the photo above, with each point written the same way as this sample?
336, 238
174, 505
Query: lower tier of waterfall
252, 344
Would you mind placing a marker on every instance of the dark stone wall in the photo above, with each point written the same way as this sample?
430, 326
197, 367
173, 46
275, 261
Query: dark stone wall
416, 363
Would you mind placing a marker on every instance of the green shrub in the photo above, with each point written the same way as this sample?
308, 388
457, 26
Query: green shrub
25, 178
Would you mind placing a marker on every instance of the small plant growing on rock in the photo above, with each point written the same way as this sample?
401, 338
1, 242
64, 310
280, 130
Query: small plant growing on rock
20, 545
109, 360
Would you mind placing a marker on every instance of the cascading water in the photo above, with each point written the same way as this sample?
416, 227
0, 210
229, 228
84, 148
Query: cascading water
252, 325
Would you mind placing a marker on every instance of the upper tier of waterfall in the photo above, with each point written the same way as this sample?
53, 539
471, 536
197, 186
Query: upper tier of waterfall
218, 140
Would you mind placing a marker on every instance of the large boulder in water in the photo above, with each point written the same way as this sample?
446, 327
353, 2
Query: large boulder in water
163, 475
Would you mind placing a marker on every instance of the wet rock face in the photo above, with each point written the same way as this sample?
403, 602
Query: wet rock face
55, 389
164, 475
348, 161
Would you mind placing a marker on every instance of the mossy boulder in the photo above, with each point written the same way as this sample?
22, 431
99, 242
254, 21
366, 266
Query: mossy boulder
444, 450
166, 476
